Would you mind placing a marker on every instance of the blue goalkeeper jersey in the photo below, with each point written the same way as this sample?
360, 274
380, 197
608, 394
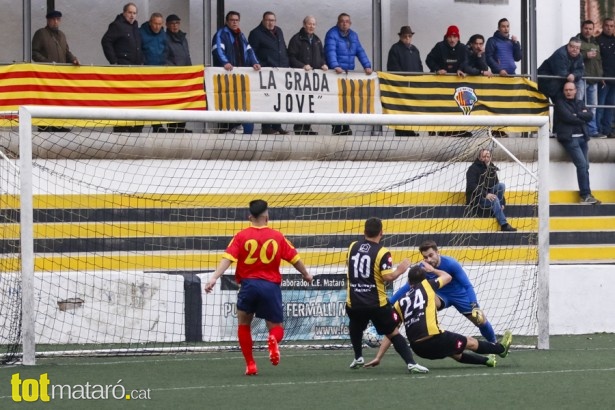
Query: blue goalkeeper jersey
459, 292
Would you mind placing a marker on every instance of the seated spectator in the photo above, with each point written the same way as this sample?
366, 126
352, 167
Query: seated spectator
484, 191
570, 118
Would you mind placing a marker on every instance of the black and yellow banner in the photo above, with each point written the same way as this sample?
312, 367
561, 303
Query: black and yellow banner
472, 95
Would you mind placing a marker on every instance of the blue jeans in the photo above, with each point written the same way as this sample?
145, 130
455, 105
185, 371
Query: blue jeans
577, 148
604, 116
590, 95
496, 204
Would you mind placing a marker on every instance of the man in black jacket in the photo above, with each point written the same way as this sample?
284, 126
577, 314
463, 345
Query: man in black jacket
484, 191
122, 41
305, 50
122, 45
570, 118
267, 40
405, 57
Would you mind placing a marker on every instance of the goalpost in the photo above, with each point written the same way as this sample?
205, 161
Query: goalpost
110, 236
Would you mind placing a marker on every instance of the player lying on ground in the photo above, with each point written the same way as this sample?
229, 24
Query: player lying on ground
418, 310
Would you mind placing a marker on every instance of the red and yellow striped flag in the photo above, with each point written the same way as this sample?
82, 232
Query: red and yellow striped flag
145, 87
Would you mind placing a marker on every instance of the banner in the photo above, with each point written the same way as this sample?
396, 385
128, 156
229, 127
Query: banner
291, 90
472, 95
172, 88
315, 311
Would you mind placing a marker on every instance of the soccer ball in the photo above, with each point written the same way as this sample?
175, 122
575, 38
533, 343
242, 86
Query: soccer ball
371, 337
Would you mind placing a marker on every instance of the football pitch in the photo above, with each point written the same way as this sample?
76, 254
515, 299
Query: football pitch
576, 372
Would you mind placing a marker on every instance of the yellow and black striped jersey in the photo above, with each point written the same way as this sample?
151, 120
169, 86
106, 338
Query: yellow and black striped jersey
367, 263
418, 310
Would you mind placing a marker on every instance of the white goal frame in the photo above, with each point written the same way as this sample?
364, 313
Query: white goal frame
28, 113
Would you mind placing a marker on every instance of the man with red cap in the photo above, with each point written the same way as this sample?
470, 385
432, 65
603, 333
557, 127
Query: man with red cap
448, 55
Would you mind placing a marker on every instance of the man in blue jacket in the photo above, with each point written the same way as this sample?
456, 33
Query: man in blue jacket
567, 63
342, 46
503, 50
229, 49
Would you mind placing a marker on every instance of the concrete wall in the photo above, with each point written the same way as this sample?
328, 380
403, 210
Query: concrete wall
85, 21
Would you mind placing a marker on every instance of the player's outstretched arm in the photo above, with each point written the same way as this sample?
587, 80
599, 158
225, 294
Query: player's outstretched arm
384, 346
301, 268
222, 267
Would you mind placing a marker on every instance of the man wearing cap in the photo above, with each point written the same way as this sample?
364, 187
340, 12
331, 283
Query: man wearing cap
448, 55
177, 43
178, 54
404, 56
49, 43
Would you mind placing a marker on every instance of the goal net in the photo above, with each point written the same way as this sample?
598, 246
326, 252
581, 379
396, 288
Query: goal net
126, 223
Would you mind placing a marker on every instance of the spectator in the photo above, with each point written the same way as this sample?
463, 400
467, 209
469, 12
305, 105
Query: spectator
503, 50
178, 54
606, 92
590, 50
448, 55
484, 191
566, 62
342, 46
154, 41
122, 45
570, 118
230, 49
122, 41
404, 57
476, 64
177, 43
305, 51
49, 43
267, 40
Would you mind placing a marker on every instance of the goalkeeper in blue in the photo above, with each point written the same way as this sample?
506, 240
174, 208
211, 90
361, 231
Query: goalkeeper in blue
459, 293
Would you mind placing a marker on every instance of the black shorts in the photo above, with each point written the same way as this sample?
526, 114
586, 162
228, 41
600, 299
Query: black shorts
440, 346
384, 318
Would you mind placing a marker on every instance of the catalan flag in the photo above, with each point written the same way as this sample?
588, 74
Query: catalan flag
146, 87
472, 95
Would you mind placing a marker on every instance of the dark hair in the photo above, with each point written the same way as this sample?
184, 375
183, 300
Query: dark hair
476, 37
428, 244
416, 274
500, 21
586, 22
232, 13
257, 207
373, 227
342, 15
265, 14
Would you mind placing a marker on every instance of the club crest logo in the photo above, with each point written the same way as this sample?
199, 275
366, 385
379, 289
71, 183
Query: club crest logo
465, 98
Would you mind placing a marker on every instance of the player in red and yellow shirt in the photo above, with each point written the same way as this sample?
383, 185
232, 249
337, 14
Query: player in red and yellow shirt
258, 251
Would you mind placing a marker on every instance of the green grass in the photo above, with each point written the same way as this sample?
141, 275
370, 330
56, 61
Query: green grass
576, 372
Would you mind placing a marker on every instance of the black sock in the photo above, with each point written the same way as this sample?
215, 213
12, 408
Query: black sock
488, 347
402, 348
471, 358
356, 338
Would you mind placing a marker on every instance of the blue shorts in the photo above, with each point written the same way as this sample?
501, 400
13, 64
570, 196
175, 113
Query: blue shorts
261, 297
460, 301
